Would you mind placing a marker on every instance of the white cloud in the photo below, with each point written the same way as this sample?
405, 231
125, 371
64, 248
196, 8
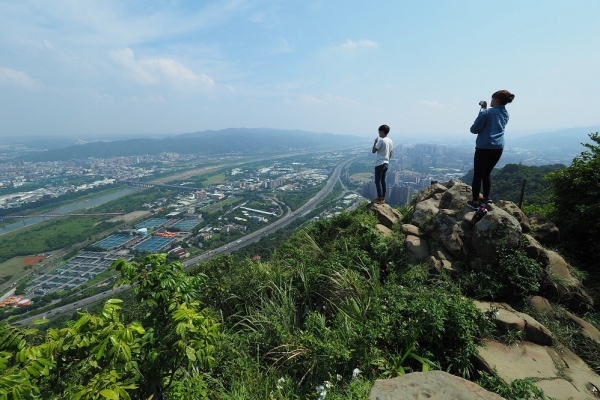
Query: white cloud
324, 100
151, 71
283, 46
19, 78
48, 44
359, 44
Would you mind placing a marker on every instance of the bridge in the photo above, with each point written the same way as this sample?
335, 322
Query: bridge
150, 184
52, 215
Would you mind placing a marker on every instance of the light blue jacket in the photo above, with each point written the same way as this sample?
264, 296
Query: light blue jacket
489, 127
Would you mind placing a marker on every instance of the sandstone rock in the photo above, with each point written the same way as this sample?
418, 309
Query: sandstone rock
408, 229
497, 225
417, 248
451, 183
582, 377
544, 230
456, 197
439, 252
383, 229
542, 305
507, 318
587, 330
432, 385
436, 265
424, 212
387, 215
563, 279
529, 360
535, 250
429, 191
520, 361
516, 212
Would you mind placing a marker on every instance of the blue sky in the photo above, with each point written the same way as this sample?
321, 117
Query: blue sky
123, 67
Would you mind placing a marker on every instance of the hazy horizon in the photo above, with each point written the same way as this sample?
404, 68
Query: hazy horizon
121, 69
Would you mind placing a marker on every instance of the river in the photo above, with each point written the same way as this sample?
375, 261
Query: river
83, 204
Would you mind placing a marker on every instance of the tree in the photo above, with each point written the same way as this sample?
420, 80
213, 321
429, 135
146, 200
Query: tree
180, 336
576, 197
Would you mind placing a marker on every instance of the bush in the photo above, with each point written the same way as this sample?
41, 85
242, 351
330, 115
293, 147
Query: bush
576, 199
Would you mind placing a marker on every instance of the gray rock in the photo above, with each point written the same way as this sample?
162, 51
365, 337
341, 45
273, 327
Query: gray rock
424, 212
429, 191
516, 212
497, 225
542, 305
386, 215
432, 385
544, 230
456, 197
417, 248
384, 230
535, 250
507, 318
408, 229
563, 280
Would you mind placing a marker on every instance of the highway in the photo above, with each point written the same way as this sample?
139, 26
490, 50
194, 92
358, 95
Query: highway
253, 237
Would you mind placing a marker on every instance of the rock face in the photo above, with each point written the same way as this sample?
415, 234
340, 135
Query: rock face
530, 360
387, 215
444, 236
495, 227
545, 230
432, 385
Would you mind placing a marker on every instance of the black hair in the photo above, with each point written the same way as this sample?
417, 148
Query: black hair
385, 129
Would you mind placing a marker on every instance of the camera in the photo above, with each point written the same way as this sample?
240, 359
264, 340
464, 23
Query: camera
481, 103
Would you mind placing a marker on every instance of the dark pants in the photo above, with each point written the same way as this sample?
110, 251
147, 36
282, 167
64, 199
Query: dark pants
380, 172
485, 161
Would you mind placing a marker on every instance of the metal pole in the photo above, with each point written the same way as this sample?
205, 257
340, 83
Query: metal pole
522, 192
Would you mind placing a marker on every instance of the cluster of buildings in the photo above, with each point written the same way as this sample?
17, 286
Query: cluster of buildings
15, 200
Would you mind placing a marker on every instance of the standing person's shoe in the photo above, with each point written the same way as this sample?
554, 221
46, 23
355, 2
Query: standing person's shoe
487, 200
381, 201
472, 205
375, 200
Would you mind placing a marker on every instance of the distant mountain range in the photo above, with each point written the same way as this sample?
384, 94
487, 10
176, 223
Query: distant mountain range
236, 140
570, 138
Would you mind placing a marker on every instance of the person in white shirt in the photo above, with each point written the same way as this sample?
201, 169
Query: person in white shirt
383, 146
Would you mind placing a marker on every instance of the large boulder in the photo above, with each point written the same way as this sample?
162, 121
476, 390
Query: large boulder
386, 215
506, 318
424, 212
409, 229
544, 230
535, 250
430, 191
432, 385
496, 226
516, 212
563, 280
456, 197
418, 248
548, 366
445, 229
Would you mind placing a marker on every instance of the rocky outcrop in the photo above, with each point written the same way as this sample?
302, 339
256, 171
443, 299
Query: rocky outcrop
444, 235
387, 215
545, 364
544, 230
432, 385
516, 212
506, 318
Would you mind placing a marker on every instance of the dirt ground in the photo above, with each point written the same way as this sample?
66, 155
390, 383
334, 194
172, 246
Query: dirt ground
27, 261
130, 216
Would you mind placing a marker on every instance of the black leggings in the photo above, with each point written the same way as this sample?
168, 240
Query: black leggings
485, 161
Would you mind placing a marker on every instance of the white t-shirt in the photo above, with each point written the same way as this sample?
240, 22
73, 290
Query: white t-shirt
384, 148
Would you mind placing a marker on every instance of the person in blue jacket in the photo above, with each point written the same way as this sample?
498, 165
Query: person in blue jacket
489, 128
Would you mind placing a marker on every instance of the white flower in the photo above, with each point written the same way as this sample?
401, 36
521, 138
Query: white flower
321, 392
356, 372
338, 377
328, 384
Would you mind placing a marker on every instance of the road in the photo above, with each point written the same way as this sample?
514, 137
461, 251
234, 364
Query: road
253, 237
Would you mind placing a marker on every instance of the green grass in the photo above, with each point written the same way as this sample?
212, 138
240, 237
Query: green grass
213, 179
13, 267
362, 177
50, 235
221, 204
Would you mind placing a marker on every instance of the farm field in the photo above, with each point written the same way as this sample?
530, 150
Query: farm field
361, 177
